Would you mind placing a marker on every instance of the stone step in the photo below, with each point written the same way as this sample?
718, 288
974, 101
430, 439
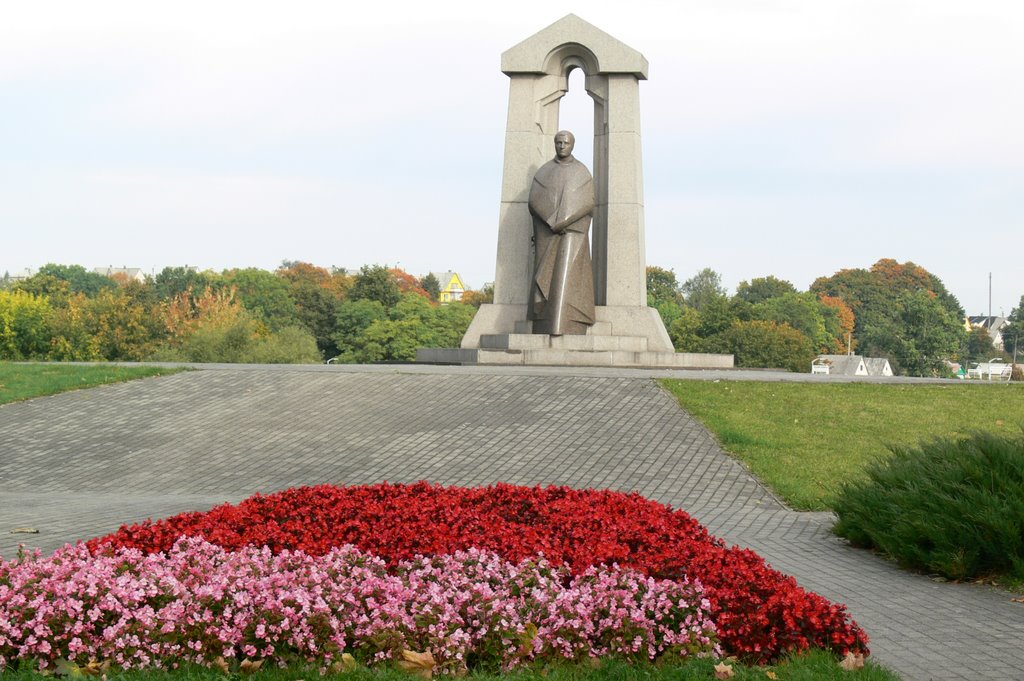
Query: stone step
525, 341
596, 329
555, 357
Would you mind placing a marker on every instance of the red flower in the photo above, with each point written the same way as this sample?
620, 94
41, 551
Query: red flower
761, 613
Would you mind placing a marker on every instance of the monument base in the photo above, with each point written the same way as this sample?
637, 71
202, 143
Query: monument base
612, 320
600, 347
546, 352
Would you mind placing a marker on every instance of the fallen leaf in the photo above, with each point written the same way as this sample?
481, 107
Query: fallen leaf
69, 669
771, 675
346, 663
249, 666
96, 668
1017, 600
852, 661
421, 664
724, 671
221, 664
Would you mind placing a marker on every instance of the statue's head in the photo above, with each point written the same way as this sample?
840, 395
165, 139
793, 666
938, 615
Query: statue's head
564, 143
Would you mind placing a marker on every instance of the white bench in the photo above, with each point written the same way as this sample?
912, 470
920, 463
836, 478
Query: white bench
993, 370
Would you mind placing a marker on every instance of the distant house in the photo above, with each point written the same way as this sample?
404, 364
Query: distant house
878, 366
994, 326
135, 273
20, 275
451, 286
851, 365
839, 365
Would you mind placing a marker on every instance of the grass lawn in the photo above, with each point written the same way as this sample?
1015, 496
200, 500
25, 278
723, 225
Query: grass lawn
813, 666
24, 381
804, 439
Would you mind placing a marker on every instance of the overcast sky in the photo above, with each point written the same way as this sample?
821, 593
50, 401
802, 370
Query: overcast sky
792, 138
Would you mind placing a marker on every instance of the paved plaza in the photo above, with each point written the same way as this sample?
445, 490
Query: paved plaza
79, 464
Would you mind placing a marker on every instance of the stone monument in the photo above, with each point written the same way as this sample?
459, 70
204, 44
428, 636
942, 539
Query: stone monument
623, 330
562, 203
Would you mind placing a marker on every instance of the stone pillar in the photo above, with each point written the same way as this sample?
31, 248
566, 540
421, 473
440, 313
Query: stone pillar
538, 69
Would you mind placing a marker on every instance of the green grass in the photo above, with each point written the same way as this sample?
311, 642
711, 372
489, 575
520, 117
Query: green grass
25, 381
805, 439
812, 666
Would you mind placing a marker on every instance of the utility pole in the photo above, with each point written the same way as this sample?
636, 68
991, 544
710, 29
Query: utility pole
990, 300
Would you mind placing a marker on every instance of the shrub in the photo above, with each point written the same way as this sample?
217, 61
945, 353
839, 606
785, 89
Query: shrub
950, 507
761, 614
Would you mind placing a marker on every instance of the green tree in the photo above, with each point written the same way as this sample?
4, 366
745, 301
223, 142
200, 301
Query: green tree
980, 347
684, 331
663, 294
703, 289
173, 281
919, 338
802, 311
352, 319
374, 282
79, 279
1013, 332
766, 344
266, 295
760, 289
432, 286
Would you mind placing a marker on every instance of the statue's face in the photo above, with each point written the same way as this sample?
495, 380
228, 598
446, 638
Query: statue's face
564, 145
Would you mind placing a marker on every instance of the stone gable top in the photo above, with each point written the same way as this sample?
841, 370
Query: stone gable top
534, 54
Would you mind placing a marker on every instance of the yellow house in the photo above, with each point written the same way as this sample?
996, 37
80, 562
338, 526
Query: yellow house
451, 285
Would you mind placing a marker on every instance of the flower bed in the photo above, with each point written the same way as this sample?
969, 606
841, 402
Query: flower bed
199, 602
760, 613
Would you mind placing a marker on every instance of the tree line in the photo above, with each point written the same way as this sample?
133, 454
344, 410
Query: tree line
305, 313
299, 313
898, 311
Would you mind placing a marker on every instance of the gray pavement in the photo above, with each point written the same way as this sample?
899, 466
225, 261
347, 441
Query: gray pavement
77, 465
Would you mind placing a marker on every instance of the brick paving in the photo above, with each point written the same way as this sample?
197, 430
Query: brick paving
77, 465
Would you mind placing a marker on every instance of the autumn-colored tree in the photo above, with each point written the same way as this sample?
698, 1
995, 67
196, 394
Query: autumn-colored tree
317, 298
296, 271
888, 302
840, 321
24, 325
189, 311
407, 283
123, 328
478, 298
73, 332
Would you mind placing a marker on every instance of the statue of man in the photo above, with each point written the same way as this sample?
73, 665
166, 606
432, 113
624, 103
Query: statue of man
562, 203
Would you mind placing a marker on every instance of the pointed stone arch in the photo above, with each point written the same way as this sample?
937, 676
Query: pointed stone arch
538, 69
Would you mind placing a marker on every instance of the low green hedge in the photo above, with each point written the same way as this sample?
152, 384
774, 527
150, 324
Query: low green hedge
952, 507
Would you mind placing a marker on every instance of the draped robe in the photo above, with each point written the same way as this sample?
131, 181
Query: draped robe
562, 291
